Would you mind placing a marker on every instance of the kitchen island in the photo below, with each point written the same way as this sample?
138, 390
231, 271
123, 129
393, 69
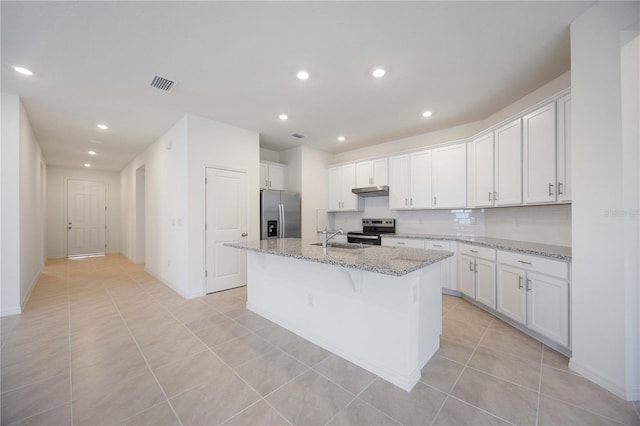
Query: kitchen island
378, 307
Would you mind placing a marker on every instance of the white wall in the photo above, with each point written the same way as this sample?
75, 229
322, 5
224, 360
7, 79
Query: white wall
166, 207
538, 224
215, 144
57, 178
10, 146
604, 288
270, 155
23, 206
306, 174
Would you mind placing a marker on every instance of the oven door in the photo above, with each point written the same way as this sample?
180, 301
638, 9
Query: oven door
373, 240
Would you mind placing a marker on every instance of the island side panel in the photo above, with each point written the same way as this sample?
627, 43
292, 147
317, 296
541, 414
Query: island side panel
386, 324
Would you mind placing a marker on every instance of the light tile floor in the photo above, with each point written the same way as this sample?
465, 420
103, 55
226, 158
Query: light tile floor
103, 343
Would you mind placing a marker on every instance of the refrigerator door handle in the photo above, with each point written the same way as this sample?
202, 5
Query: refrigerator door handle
283, 224
280, 215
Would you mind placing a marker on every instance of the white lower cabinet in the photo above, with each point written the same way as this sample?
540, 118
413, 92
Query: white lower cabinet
447, 266
535, 292
476, 275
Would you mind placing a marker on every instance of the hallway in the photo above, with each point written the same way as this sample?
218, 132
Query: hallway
102, 342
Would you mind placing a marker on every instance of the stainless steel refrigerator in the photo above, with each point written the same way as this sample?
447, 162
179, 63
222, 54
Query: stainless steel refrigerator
279, 214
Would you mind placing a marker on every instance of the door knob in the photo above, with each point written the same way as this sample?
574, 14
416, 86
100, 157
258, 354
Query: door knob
244, 234
69, 228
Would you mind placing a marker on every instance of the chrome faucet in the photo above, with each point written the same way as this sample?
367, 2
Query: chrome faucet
326, 238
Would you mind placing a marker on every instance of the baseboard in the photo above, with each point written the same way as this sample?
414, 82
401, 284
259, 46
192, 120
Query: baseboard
15, 310
628, 394
171, 286
450, 292
25, 299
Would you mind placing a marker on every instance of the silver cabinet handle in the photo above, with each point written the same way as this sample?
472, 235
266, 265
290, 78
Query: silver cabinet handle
244, 234
434, 201
489, 196
475, 267
525, 262
473, 251
560, 185
495, 196
401, 243
410, 201
520, 281
471, 266
550, 189
437, 245
406, 201
529, 285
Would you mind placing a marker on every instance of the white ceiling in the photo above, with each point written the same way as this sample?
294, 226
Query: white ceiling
236, 62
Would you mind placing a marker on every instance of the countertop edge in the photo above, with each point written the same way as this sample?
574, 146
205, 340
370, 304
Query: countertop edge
333, 262
467, 240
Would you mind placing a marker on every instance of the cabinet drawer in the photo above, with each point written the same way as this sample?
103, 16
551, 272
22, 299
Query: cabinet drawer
437, 245
556, 268
477, 251
402, 242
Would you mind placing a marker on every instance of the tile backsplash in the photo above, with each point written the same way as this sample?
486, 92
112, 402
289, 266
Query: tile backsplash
541, 224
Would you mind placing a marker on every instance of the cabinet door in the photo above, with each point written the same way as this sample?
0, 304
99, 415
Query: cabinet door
467, 275
379, 174
512, 297
482, 166
349, 199
420, 195
564, 149
539, 159
264, 176
445, 265
486, 283
363, 174
508, 164
548, 307
276, 177
399, 182
450, 176
335, 189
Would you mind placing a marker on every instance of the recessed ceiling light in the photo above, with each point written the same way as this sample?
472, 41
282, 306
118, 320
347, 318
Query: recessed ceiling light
379, 72
341, 138
23, 70
303, 75
102, 126
87, 165
284, 117
427, 114
92, 153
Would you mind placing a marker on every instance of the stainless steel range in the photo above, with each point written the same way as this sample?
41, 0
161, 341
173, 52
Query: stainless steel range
372, 231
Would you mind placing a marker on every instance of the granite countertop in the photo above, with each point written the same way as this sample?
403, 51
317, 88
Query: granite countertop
537, 249
382, 260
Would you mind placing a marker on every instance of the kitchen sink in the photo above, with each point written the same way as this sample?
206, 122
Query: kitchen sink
348, 246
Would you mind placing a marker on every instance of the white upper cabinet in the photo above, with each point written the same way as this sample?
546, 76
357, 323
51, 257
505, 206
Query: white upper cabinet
342, 179
539, 159
450, 176
410, 181
371, 173
508, 164
564, 149
482, 172
272, 176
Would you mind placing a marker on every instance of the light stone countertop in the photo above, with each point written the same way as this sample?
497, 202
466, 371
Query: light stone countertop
524, 247
382, 260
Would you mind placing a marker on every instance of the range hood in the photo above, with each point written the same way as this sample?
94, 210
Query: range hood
372, 191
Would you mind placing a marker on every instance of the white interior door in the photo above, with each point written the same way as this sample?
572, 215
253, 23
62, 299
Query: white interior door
226, 221
86, 218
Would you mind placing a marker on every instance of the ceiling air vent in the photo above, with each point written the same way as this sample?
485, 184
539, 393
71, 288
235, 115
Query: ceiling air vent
162, 83
297, 135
